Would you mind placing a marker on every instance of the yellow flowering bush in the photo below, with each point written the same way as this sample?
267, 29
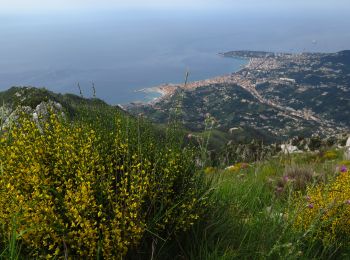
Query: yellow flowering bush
329, 155
77, 192
209, 170
324, 213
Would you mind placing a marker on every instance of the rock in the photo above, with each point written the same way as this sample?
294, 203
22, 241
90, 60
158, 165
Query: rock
348, 142
9, 116
288, 148
306, 148
35, 116
347, 150
43, 108
231, 130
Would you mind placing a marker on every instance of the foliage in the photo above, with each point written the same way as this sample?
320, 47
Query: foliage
210, 170
325, 211
248, 152
77, 190
295, 177
246, 219
329, 155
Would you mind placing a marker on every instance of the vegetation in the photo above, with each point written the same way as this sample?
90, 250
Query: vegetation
253, 216
95, 182
76, 189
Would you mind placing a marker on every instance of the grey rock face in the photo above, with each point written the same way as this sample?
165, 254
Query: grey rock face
348, 142
9, 116
347, 150
288, 148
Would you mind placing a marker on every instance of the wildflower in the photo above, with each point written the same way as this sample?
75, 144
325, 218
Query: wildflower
286, 178
333, 201
343, 168
308, 198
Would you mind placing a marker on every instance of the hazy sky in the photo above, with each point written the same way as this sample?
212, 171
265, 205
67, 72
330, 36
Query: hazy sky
27, 5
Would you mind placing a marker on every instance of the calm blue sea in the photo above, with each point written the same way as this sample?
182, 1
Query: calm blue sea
125, 51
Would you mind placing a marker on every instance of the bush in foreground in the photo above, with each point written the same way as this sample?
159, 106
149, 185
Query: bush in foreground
325, 211
69, 190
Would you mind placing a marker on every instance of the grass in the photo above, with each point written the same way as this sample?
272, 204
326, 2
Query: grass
12, 249
248, 220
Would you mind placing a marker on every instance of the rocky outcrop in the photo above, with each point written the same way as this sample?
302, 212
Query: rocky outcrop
9, 115
288, 149
347, 150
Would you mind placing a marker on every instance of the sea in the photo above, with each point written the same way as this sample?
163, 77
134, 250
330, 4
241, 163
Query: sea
122, 51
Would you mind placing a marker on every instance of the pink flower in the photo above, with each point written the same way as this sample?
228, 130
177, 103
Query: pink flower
308, 198
310, 206
343, 168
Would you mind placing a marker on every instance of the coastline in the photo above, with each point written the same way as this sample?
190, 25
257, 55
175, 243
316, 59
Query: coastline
168, 89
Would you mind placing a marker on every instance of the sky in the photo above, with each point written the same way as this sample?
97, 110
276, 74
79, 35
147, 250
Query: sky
40, 5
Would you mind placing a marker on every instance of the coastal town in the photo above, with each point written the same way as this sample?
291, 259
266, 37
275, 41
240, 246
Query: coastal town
270, 78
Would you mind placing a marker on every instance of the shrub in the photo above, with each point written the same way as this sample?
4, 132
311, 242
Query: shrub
325, 211
330, 155
296, 178
85, 193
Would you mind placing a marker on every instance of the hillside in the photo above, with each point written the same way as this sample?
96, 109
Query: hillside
32, 97
276, 96
82, 179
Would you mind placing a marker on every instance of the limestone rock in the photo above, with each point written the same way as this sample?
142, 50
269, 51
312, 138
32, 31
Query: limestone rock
288, 148
347, 150
348, 142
